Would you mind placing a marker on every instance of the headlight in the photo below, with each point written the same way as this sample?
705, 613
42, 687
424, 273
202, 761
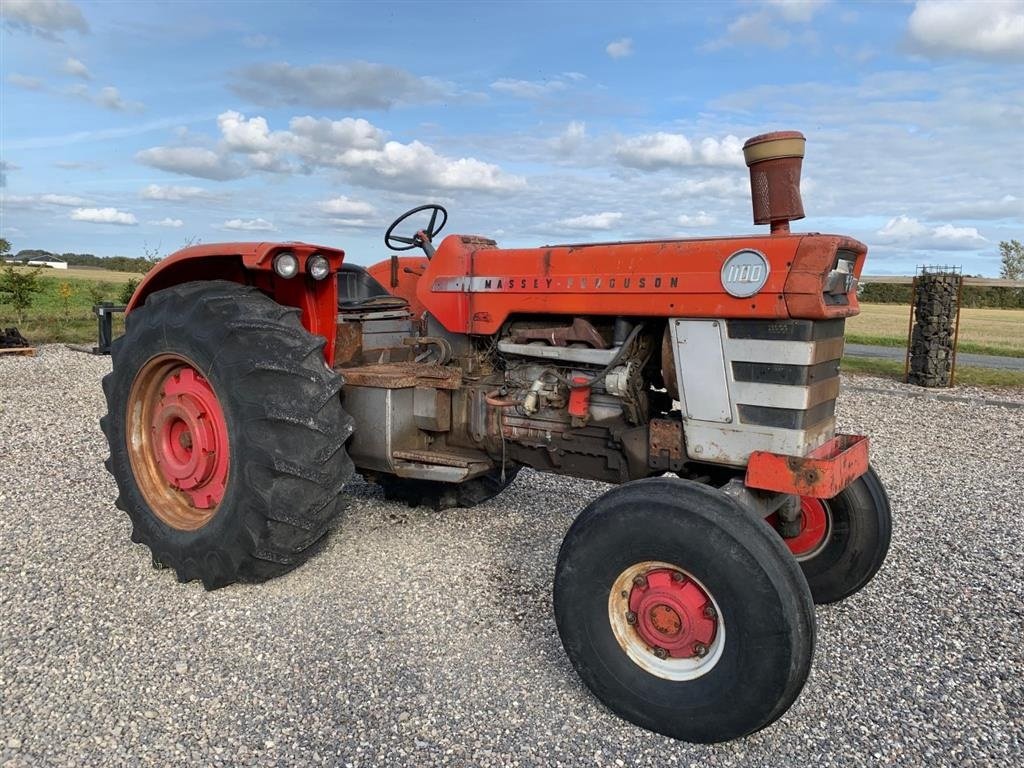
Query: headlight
286, 265
318, 267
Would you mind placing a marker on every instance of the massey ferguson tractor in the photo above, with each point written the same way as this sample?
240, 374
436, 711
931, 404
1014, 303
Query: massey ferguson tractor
698, 377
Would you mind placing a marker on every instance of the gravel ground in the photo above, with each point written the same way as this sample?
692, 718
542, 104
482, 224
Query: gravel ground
422, 638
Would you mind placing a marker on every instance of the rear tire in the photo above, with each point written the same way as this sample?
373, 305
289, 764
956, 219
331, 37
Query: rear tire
277, 407
860, 522
749, 655
439, 496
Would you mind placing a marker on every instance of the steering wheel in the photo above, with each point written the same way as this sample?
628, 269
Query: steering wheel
423, 237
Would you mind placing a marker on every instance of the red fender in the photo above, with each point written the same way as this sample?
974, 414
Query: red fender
252, 264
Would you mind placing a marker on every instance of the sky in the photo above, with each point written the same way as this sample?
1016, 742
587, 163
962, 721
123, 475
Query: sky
135, 128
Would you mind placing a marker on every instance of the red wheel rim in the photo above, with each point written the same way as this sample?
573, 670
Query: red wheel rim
815, 527
666, 621
673, 613
178, 442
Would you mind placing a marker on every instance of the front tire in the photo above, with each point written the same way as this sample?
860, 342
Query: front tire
683, 613
855, 531
226, 433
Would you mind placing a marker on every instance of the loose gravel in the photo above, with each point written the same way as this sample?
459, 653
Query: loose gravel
423, 638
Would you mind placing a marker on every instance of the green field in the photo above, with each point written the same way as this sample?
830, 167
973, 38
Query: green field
51, 318
982, 331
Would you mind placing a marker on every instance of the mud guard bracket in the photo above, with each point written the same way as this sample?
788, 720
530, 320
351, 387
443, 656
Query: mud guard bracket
821, 474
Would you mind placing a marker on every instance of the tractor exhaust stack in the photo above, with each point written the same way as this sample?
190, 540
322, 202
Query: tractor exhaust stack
775, 160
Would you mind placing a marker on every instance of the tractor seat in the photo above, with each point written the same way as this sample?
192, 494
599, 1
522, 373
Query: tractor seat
359, 290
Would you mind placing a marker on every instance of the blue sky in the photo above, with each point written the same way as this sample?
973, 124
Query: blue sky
138, 127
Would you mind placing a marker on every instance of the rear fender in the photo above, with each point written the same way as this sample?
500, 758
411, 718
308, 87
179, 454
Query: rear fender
252, 264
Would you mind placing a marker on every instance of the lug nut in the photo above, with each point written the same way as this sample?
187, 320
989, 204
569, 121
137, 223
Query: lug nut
640, 581
631, 618
700, 650
710, 612
677, 576
624, 593
661, 653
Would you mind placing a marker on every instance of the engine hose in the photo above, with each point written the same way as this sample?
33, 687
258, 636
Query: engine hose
491, 398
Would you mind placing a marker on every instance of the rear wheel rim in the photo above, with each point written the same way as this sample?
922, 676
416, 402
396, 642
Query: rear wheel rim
177, 442
666, 621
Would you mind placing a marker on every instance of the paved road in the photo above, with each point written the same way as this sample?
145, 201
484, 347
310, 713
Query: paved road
964, 358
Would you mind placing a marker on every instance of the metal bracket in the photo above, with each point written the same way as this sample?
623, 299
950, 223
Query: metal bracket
665, 445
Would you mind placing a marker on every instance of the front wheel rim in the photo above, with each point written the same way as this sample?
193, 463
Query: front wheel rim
177, 438
666, 621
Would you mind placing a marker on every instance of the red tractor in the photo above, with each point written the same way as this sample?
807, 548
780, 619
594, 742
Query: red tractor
698, 376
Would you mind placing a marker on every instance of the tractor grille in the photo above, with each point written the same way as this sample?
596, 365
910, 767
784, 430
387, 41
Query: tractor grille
757, 385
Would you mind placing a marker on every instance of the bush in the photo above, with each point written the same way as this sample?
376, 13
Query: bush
18, 289
127, 290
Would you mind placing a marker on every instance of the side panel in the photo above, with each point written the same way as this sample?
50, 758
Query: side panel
473, 287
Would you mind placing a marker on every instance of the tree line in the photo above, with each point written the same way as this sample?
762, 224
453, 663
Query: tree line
139, 264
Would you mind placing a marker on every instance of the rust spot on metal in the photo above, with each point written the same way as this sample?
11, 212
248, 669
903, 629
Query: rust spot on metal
402, 376
580, 332
821, 474
665, 444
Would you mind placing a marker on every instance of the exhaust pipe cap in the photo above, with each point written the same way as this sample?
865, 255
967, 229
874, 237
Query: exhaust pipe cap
775, 160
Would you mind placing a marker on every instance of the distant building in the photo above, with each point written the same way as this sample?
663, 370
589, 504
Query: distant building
47, 261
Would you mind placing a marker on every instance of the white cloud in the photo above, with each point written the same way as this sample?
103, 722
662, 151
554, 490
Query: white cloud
191, 161
572, 138
352, 85
994, 28
27, 82
76, 68
259, 41
767, 26
796, 10
176, 194
34, 201
359, 147
728, 187
604, 220
699, 219
45, 18
344, 207
528, 89
667, 150
250, 225
103, 216
107, 97
908, 231
619, 49
168, 222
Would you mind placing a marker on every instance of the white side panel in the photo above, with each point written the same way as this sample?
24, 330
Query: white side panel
700, 370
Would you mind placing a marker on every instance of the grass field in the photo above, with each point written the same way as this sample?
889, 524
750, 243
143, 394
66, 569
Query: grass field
84, 273
54, 318
982, 331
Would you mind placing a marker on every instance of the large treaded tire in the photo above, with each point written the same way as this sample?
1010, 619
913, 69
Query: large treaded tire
440, 496
285, 424
861, 530
765, 609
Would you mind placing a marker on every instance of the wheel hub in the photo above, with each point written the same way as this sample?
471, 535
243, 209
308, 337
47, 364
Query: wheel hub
190, 437
673, 614
815, 527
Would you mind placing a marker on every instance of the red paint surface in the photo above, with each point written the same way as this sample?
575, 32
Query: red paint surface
191, 437
821, 474
673, 613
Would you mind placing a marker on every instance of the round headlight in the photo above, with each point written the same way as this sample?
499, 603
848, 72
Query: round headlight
286, 265
318, 267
